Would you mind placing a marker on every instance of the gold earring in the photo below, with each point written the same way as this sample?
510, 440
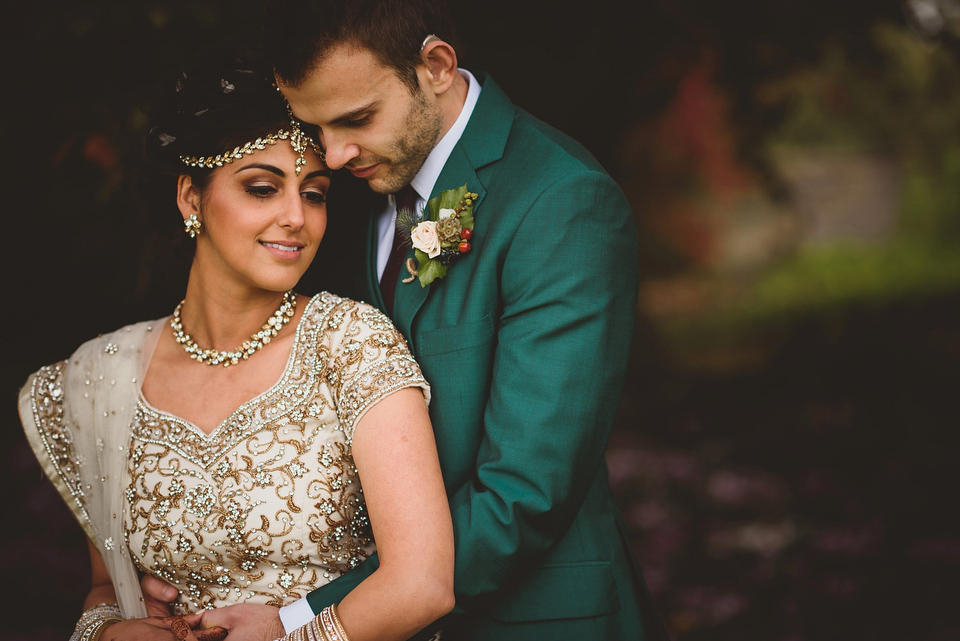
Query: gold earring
192, 225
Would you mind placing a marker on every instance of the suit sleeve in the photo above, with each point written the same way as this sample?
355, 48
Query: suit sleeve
569, 290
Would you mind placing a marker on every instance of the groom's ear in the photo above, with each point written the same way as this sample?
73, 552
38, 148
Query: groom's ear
440, 66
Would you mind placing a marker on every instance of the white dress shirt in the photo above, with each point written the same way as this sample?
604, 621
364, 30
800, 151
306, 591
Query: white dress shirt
426, 178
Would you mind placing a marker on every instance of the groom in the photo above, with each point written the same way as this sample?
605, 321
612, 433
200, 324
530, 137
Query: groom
524, 340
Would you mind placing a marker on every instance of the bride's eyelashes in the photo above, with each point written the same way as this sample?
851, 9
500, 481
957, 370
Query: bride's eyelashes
314, 197
261, 191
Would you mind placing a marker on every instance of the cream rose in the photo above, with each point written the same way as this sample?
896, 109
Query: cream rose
425, 238
446, 213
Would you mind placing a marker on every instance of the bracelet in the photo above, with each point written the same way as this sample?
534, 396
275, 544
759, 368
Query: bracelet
93, 621
328, 624
335, 615
325, 627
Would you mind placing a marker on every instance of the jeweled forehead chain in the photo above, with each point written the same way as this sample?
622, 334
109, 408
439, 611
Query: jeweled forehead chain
298, 140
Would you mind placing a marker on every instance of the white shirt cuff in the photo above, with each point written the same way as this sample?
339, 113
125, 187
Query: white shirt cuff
296, 615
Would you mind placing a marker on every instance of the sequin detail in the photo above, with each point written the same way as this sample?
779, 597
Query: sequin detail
268, 506
56, 436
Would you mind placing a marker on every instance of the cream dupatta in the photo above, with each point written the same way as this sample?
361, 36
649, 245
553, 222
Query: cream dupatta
77, 416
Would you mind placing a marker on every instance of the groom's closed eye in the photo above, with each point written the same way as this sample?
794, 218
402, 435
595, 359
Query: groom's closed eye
358, 122
359, 116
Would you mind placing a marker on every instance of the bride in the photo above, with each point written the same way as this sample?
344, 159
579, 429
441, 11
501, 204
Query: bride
222, 449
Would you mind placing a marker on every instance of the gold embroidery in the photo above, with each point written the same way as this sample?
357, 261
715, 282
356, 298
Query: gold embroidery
268, 506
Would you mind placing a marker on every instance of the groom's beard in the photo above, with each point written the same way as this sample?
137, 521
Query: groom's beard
420, 134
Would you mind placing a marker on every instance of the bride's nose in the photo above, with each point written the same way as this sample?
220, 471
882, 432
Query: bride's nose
292, 215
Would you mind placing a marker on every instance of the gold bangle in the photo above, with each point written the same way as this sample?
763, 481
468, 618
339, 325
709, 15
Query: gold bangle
100, 627
327, 626
336, 622
93, 621
310, 630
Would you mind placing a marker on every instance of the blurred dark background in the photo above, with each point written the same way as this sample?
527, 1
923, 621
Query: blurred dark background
786, 447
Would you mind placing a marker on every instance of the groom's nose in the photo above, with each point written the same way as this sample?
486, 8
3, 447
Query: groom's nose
338, 151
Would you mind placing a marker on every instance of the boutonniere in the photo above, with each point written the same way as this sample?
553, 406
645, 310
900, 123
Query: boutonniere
440, 233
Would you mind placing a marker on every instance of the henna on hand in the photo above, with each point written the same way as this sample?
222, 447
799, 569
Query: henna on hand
180, 628
211, 634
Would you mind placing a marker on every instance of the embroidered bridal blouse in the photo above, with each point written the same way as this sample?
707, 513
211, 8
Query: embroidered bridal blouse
262, 510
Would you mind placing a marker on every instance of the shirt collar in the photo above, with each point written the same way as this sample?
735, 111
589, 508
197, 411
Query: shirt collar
427, 177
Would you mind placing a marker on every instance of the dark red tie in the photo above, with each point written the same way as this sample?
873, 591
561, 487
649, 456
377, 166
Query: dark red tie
406, 200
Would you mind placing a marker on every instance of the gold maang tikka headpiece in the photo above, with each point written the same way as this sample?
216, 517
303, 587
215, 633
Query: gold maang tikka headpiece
298, 140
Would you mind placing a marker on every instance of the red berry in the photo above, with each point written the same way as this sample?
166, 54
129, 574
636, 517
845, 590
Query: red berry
466, 234
463, 247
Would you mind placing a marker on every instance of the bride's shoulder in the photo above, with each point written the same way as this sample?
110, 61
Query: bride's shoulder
96, 360
129, 340
327, 303
347, 317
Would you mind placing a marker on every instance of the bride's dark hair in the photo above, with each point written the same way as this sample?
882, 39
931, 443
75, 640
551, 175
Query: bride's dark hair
208, 111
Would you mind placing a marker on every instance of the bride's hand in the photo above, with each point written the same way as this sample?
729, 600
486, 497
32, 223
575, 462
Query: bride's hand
246, 622
162, 629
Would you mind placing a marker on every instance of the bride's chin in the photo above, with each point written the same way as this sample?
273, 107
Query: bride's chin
281, 280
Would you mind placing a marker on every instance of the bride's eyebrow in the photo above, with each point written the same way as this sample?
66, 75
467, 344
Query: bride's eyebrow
260, 165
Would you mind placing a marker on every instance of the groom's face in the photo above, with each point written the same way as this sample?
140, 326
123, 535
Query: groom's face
369, 121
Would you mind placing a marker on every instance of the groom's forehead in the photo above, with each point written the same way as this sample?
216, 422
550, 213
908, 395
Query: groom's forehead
342, 85
348, 66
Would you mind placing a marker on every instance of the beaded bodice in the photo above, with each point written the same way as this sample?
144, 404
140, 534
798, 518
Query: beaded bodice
268, 506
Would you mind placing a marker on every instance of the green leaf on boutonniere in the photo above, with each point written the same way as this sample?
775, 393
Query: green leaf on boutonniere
466, 217
451, 232
449, 199
428, 269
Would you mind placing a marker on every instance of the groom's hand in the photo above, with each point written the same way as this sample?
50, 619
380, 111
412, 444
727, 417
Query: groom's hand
157, 596
246, 622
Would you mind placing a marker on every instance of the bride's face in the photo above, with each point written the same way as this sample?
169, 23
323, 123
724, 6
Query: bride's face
262, 223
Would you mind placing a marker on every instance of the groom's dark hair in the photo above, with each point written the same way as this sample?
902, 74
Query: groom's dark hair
298, 34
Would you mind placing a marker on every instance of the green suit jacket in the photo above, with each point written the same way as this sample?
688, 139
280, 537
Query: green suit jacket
525, 343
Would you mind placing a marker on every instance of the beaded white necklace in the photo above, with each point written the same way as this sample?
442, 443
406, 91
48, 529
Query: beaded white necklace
242, 352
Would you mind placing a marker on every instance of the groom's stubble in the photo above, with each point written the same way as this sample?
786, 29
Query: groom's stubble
420, 132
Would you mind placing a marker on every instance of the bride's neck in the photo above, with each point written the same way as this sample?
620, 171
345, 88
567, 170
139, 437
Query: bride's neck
218, 318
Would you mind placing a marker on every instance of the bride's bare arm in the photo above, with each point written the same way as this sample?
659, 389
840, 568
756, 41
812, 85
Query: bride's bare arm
396, 458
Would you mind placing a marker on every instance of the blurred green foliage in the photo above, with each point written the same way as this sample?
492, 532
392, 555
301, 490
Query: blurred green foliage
904, 106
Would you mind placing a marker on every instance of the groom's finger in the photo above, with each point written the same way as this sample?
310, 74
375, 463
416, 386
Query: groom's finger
157, 595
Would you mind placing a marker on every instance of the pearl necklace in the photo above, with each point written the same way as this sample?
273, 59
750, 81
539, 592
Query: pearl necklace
242, 352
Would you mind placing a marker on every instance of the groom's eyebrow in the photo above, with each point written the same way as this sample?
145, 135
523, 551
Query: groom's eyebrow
355, 113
